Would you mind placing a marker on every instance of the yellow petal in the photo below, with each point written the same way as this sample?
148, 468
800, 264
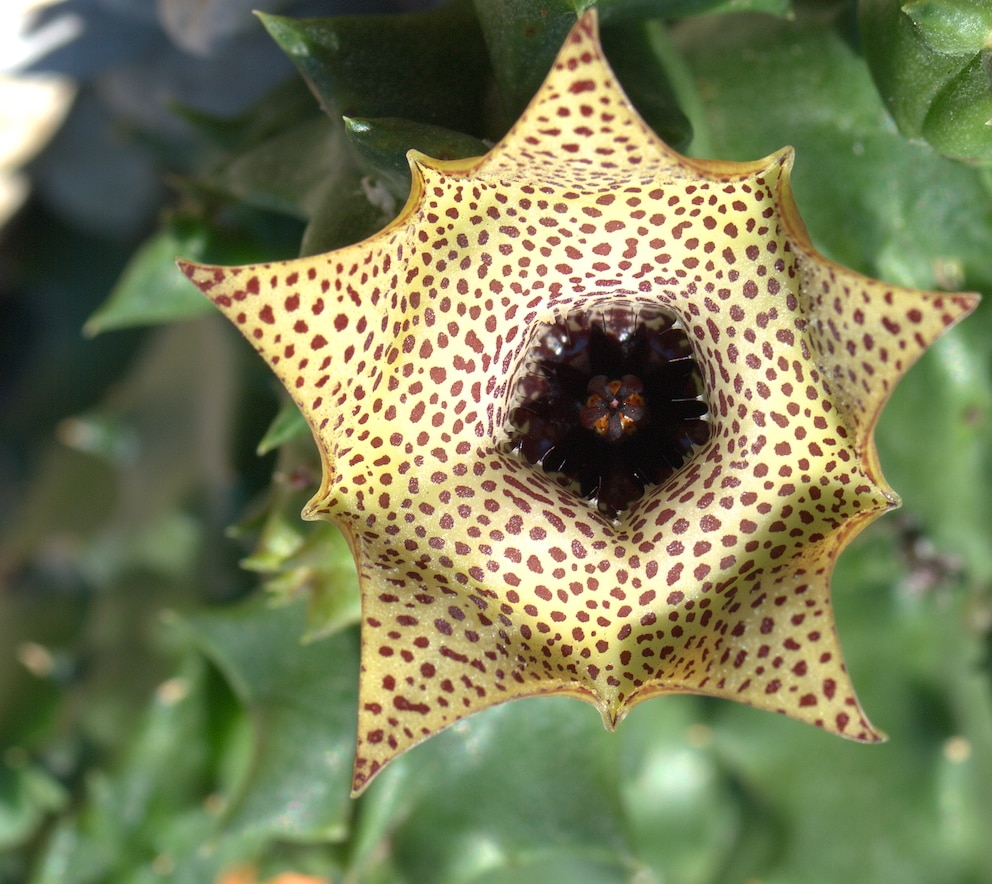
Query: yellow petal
483, 578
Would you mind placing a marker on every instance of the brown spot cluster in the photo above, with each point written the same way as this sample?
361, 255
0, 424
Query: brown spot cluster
483, 579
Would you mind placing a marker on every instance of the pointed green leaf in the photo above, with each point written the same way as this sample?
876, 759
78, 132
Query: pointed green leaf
521, 802
27, 795
151, 292
287, 105
302, 701
302, 559
285, 172
312, 171
150, 807
945, 97
384, 143
523, 37
954, 26
616, 10
688, 815
287, 425
347, 210
429, 66
959, 122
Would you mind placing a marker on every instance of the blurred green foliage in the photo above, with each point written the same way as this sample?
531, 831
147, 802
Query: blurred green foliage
166, 714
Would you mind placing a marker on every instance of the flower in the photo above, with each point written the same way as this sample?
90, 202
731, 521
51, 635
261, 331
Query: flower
488, 573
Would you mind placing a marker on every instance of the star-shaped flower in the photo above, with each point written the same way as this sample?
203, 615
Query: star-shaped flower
583, 278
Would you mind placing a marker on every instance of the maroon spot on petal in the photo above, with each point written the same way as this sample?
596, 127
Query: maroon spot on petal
404, 705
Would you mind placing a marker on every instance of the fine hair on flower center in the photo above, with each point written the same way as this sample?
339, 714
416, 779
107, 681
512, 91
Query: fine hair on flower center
610, 400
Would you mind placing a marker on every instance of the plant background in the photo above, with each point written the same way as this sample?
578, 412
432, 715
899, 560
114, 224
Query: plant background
160, 717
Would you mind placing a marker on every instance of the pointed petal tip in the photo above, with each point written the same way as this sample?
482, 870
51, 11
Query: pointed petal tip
361, 780
318, 507
201, 275
417, 158
967, 302
851, 724
188, 268
869, 735
313, 512
784, 157
422, 165
612, 712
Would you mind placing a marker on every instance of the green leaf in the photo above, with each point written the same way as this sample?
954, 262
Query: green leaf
28, 794
614, 10
523, 37
690, 817
286, 172
302, 703
909, 809
525, 792
428, 66
384, 144
285, 106
907, 71
287, 425
348, 210
148, 815
942, 96
954, 26
959, 122
323, 567
312, 171
302, 559
151, 290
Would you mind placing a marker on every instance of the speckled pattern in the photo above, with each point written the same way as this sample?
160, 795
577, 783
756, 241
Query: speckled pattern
483, 579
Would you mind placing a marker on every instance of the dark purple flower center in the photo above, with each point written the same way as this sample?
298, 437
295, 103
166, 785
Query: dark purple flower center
612, 401
613, 407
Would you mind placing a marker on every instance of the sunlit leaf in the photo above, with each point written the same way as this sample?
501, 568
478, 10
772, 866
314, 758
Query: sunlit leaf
301, 702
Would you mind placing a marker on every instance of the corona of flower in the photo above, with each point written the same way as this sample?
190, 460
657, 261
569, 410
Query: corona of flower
596, 419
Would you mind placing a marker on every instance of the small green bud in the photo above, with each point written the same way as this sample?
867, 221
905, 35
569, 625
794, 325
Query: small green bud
932, 63
953, 26
959, 123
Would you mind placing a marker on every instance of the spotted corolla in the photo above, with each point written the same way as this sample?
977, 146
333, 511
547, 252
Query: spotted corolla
595, 418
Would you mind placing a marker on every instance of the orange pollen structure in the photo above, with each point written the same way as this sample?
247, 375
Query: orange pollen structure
613, 408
